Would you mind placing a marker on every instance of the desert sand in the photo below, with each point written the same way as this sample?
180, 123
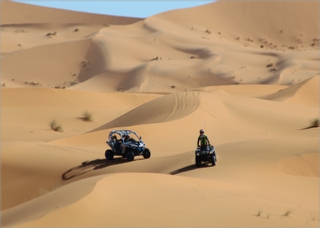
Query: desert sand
247, 72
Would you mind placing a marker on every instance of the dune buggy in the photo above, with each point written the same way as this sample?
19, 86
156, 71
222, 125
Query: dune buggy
207, 154
134, 146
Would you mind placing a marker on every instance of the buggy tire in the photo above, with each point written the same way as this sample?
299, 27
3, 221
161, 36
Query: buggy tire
130, 156
146, 153
109, 154
198, 161
213, 160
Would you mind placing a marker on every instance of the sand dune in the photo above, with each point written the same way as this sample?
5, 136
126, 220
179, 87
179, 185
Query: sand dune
28, 111
165, 188
148, 57
247, 72
230, 20
304, 93
163, 109
38, 14
307, 165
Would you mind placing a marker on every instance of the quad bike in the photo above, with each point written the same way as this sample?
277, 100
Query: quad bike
205, 154
134, 145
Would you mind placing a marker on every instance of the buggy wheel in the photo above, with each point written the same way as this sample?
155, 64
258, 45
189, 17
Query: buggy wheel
146, 153
213, 160
109, 154
130, 156
198, 161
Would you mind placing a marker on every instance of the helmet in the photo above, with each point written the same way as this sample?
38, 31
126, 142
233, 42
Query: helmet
201, 131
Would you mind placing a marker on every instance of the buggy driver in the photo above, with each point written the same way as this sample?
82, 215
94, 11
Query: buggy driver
125, 138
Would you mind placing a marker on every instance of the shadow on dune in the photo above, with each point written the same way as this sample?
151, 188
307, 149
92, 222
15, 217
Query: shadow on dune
189, 168
306, 128
94, 64
184, 169
89, 166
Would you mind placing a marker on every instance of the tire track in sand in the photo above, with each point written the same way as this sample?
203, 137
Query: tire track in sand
167, 108
184, 104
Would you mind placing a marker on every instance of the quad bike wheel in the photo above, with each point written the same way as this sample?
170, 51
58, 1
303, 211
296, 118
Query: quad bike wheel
198, 161
146, 153
213, 160
109, 154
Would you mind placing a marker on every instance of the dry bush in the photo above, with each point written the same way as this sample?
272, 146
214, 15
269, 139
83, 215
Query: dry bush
287, 213
86, 116
55, 126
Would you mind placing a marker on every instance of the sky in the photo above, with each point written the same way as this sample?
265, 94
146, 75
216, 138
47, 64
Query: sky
128, 8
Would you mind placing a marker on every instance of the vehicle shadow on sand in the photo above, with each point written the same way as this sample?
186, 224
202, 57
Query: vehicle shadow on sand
189, 168
89, 166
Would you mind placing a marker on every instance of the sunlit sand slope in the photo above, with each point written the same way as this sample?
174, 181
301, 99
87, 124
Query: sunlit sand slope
247, 72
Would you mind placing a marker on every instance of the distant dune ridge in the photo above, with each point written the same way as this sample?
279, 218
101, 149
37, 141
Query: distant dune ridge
247, 72
145, 54
15, 13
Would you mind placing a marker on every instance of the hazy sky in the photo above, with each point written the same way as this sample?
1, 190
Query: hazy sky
130, 8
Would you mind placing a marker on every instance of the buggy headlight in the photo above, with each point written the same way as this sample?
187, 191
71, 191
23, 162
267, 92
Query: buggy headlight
211, 152
198, 154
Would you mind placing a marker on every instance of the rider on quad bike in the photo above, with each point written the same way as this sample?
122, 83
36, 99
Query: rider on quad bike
205, 152
203, 140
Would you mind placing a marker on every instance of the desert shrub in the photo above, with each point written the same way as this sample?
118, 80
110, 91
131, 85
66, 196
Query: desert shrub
86, 116
259, 213
55, 126
287, 213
